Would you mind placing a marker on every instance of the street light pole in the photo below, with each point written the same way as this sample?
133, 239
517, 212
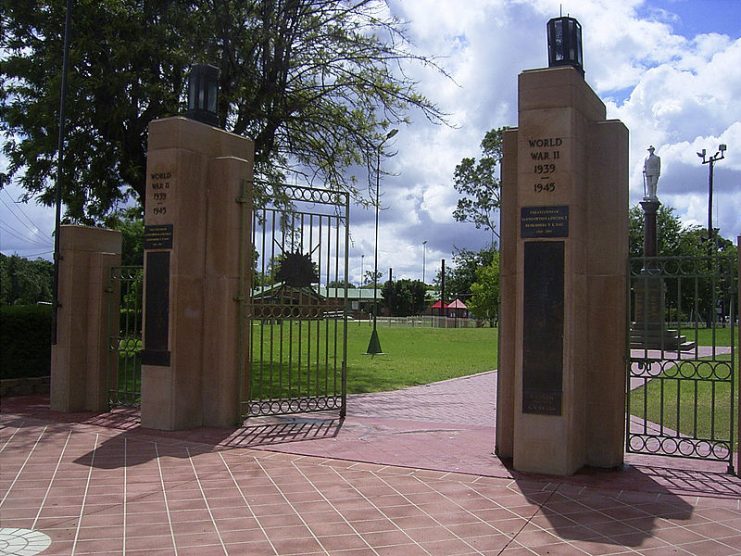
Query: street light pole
60, 161
719, 155
424, 257
374, 345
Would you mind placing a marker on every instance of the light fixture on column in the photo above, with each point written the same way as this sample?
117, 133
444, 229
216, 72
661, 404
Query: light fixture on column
203, 94
564, 43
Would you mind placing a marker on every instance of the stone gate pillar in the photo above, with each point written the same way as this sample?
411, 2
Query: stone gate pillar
564, 231
80, 358
196, 176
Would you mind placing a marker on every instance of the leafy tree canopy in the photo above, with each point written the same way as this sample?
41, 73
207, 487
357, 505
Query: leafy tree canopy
24, 282
484, 301
673, 237
315, 83
460, 277
678, 240
478, 184
404, 297
130, 222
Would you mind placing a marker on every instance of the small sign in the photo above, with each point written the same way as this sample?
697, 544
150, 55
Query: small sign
158, 236
544, 222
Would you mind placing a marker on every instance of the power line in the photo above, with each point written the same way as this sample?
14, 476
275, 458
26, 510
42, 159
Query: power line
12, 209
32, 255
12, 232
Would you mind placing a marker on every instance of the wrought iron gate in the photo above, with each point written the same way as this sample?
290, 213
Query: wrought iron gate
681, 378
296, 311
125, 335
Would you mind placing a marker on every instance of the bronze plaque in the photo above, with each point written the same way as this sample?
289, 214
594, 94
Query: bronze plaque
157, 309
542, 361
158, 236
544, 222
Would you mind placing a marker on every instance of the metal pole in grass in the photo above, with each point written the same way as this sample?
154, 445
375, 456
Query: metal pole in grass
374, 345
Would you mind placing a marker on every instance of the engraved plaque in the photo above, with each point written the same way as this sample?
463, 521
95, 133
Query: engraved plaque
158, 236
157, 309
542, 362
544, 222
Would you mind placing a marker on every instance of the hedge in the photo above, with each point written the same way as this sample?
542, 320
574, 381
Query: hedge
25, 341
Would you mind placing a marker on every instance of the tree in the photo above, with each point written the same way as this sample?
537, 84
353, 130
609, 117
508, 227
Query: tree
24, 282
479, 186
404, 297
484, 301
460, 277
341, 284
130, 222
314, 82
368, 278
692, 299
669, 229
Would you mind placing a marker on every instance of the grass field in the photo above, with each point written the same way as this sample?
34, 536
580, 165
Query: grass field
417, 356
410, 356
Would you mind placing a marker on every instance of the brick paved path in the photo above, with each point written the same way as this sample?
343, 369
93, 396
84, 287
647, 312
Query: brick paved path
408, 472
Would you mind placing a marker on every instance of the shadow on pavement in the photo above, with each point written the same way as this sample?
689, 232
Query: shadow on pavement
594, 514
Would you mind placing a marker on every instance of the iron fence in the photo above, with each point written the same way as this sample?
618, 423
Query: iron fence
296, 334
125, 336
682, 367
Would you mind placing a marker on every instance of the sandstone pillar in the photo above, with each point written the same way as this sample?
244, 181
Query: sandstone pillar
564, 226
198, 179
80, 358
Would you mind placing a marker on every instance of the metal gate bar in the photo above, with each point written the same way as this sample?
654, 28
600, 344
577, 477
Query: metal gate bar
296, 323
125, 336
680, 367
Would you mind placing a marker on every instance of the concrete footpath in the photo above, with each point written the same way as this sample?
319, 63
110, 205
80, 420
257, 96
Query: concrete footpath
407, 472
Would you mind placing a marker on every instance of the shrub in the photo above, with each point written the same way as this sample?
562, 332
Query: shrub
25, 337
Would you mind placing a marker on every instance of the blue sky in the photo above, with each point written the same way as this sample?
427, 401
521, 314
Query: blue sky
693, 17
669, 69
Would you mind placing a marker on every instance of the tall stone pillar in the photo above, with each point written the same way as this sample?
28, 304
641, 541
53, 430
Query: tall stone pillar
198, 181
80, 358
564, 226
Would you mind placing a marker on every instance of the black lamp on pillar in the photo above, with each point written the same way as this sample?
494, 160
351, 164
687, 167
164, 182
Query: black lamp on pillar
203, 94
564, 43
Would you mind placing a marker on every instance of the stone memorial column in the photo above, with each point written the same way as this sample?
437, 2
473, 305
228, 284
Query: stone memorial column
564, 228
194, 225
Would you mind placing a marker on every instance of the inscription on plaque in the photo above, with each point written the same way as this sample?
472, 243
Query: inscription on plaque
158, 236
157, 309
542, 361
536, 222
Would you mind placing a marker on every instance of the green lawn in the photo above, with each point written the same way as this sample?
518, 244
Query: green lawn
705, 336
411, 356
417, 356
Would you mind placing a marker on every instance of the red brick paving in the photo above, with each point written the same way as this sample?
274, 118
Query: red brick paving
412, 474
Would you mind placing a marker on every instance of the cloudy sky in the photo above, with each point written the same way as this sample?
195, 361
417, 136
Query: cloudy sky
669, 69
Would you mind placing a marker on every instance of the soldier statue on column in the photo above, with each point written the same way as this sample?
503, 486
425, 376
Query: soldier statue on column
651, 173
